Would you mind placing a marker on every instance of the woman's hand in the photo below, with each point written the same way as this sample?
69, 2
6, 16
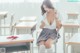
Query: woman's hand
58, 24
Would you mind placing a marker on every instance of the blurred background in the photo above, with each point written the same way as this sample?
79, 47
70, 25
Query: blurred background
68, 12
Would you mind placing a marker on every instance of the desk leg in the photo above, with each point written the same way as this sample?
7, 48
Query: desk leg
72, 49
4, 28
0, 28
31, 47
31, 44
66, 48
29, 31
64, 42
56, 48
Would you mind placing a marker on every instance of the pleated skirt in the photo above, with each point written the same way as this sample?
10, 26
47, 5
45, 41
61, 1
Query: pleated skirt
48, 33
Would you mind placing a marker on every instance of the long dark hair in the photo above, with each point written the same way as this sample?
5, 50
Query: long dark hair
48, 4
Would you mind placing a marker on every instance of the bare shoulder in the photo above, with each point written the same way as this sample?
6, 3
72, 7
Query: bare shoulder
53, 11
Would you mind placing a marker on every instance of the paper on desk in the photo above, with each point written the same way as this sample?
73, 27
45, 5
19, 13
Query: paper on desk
20, 37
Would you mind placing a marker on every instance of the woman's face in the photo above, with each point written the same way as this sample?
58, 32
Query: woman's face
46, 8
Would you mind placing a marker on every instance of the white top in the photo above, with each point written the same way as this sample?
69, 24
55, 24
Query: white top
47, 25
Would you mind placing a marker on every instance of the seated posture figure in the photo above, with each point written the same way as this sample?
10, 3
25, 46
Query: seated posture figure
49, 25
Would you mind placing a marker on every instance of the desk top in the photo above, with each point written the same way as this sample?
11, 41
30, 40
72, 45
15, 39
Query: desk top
75, 39
26, 25
32, 18
20, 39
71, 25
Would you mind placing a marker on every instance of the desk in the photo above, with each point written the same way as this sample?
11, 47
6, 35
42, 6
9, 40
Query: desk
71, 29
5, 42
74, 42
25, 27
26, 19
3, 15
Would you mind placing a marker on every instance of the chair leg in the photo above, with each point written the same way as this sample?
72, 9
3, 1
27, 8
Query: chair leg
66, 48
38, 49
32, 48
55, 48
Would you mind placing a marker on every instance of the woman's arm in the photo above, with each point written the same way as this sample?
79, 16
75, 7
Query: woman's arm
58, 24
42, 25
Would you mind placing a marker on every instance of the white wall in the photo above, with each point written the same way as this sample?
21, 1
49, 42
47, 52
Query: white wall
66, 7
33, 9
21, 9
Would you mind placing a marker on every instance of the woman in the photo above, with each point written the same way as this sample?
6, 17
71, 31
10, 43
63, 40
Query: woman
49, 25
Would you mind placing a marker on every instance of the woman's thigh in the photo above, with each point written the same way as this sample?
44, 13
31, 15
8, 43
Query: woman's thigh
41, 42
49, 43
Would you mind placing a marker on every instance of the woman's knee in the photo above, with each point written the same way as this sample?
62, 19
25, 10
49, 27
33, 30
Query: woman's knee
48, 43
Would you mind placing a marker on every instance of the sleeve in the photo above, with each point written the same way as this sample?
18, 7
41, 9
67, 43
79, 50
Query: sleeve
59, 16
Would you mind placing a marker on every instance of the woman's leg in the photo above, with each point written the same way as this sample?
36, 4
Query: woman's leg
41, 47
48, 45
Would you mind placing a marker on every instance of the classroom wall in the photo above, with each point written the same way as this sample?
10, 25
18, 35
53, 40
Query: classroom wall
33, 9
21, 9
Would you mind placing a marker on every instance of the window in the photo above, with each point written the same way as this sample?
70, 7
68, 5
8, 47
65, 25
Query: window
39, 1
73, 0
20, 1
11, 1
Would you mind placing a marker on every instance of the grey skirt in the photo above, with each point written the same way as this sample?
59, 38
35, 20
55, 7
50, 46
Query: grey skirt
48, 33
